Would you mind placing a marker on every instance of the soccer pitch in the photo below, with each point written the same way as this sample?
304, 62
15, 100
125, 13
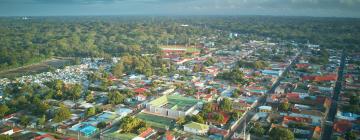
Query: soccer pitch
156, 121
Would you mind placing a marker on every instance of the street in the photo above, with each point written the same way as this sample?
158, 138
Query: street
262, 100
327, 130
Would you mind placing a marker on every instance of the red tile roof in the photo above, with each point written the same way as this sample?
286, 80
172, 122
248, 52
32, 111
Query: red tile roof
16, 129
342, 126
168, 136
47, 136
146, 133
288, 119
293, 95
112, 78
218, 131
303, 65
69, 139
305, 78
208, 96
331, 77
140, 90
317, 129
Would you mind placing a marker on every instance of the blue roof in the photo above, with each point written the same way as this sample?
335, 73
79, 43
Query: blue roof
88, 130
270, 72
123, 110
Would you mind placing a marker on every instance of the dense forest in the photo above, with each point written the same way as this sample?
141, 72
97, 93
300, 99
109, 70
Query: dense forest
29, 41
327, 32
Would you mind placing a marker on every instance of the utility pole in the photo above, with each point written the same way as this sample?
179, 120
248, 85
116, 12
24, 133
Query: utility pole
245, 129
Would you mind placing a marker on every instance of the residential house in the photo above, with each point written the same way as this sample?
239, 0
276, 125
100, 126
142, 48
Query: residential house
122, 112
347, 116
196, 128
265, 108
342, 126
8, 130
140, 97
168, 136
147, 133
44, 137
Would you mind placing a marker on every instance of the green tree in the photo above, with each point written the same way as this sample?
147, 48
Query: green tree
24, 120
115, 98
42, 121
236, 115
236, 93
5, 137
131, 124
62, 114
278, 133
257, 130
354, 100
180, 121
207, 107
198, 118
90, 112
235, 76
58, 84
101, 125
40, 108
197, 68
118, 69
284, 106
89, 98
3, 110
218, 117
75, 92
209, 62
350, 135
226, 104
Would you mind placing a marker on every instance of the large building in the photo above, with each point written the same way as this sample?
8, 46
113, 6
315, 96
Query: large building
172, 106
196, 128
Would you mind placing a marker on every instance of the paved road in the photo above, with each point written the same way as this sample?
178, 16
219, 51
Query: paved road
327, 131
262, 100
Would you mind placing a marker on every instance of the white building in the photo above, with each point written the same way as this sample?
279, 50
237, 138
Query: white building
196, 128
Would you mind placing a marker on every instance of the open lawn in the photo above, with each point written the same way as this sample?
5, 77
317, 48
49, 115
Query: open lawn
156, 121
36, 68
189, 49
120, 136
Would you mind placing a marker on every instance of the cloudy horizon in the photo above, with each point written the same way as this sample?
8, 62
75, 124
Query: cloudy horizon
321, 8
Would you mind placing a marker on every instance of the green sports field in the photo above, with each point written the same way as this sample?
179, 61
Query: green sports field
156, 121
189, 49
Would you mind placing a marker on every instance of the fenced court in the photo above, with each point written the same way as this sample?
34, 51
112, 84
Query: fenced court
156, 121
189, 49
119, 136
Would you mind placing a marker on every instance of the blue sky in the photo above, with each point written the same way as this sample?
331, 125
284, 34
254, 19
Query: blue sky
327, 8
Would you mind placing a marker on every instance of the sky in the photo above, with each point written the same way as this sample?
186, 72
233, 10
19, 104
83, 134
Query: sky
322, 8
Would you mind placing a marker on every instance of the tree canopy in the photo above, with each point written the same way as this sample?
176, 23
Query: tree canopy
278, 133
115, 97
226, 104
62, 114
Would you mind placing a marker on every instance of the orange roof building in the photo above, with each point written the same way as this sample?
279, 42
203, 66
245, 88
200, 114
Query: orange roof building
342, 126
331, 77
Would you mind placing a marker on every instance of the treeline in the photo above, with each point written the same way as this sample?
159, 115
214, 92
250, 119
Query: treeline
29, 41
147, 65
327, 32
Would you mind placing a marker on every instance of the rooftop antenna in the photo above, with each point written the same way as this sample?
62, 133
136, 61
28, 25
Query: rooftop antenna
245, 129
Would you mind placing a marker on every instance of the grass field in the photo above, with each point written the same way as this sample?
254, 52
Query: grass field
156, 121
36, 68
120, 136
188, 49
